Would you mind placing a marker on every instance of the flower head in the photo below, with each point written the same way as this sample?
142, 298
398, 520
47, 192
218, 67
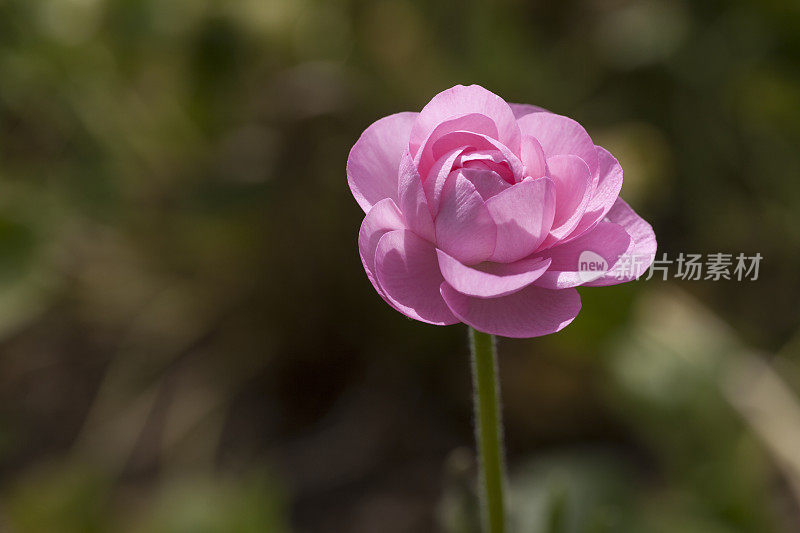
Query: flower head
479, 211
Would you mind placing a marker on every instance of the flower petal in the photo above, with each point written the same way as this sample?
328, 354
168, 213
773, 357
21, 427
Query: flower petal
464, 227
382, 218
532, 156
641, 250
531, 312
487, 160
412, 200
408, 272
437, 177
520, 110
374, 160
475, 123
572, 182
460, 100
490, 280
488, 183
474, 141
523, 215
606, 193
607, 240
560, 135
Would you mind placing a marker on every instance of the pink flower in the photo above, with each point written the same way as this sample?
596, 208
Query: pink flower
478, 211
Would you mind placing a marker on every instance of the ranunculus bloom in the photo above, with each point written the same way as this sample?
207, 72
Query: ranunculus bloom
478, 211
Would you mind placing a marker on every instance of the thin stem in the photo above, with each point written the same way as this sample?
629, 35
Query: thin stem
488, 431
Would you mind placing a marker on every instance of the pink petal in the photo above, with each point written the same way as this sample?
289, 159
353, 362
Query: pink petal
460, 100
532, 156
412, 200
487, 182
523, 215
475, 141
572, 181
382, 218
475, 123
641, 250
487, 160
464, 227
520, 110
490, 280
608, 240
487, 156
408, 272
531, 312
437, 177
560, 135
374, 160
606, 193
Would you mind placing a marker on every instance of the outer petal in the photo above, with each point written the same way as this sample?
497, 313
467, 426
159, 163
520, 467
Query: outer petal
412, 200
608, 240
641, 251
523, 215
374, 159
520, 110
408, 273
460, 100
490, 280
572, 181
382, 218
464, 227
531, 312
606, 193
560, 135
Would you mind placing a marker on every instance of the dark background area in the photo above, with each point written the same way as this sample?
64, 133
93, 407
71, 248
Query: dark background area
188, 341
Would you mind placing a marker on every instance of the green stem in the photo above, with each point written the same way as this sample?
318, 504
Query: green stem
488, 431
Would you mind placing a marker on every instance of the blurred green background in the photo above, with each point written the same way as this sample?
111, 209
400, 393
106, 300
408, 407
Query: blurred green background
188, 342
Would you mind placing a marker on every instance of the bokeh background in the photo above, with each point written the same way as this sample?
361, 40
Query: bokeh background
188, 342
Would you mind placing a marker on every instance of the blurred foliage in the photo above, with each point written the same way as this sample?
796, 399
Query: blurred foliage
182, 307
74, 498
